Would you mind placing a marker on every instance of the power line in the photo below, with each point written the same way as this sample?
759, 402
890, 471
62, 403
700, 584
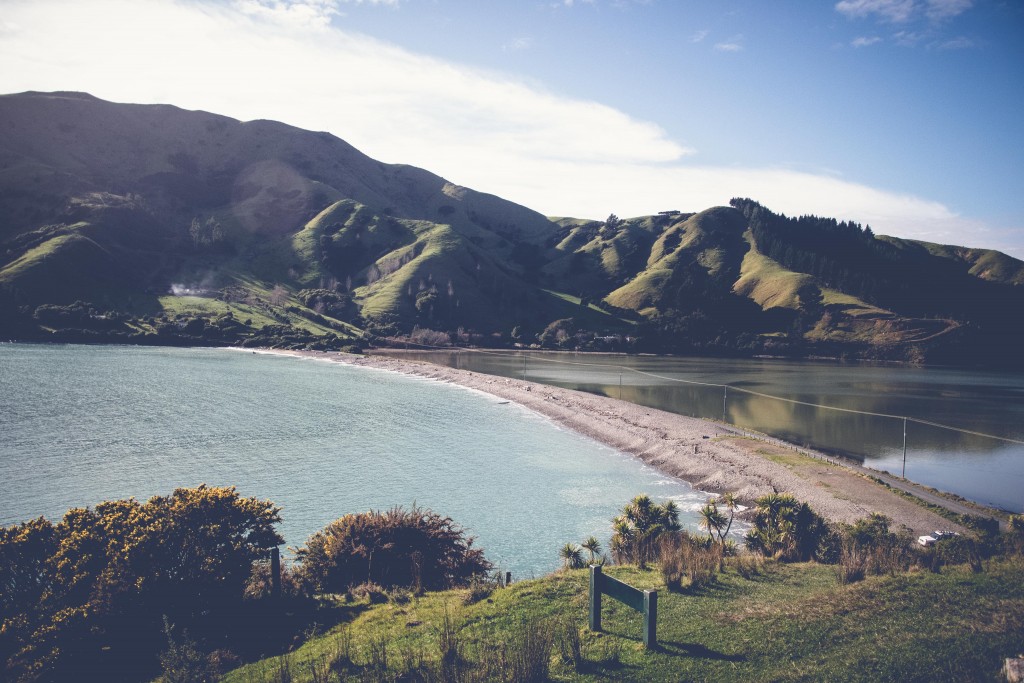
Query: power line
735, 388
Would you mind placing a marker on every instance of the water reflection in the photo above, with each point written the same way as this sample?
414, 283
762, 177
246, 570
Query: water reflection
975, 466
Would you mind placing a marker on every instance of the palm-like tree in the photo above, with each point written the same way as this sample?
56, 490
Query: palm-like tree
639, 525
712, 520
730, 502
592, 546
571, 556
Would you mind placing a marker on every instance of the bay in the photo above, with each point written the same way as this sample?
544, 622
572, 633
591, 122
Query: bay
83, 424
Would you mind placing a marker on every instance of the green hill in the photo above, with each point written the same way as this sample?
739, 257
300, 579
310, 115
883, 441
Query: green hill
774, 623
115, 212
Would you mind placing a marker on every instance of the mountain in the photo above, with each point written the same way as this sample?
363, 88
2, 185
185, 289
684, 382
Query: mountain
153, 224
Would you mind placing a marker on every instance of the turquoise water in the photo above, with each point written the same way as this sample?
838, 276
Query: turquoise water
79, 425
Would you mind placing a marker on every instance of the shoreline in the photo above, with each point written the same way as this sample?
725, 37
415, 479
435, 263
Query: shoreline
710, 456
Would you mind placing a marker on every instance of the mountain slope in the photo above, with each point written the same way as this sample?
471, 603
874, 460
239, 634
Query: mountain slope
153, 224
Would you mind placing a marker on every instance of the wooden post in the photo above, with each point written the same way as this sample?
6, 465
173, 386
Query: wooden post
645, 602
595, 597
275, 572
508, 578
650, 618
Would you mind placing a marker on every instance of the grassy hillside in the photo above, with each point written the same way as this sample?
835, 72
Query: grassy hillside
775, 622
122, 207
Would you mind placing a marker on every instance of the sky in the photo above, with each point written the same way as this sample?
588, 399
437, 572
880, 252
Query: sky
901, 114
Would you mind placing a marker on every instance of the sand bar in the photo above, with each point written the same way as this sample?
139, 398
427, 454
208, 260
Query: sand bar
711, 456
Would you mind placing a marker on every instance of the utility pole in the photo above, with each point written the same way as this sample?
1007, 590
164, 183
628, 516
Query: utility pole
904, 475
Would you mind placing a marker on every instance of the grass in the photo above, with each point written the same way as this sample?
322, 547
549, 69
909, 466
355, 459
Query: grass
784, 623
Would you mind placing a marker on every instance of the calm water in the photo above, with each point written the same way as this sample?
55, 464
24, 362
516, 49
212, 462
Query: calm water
79, 425
976, 467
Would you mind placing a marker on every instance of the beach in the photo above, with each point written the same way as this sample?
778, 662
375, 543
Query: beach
711, 456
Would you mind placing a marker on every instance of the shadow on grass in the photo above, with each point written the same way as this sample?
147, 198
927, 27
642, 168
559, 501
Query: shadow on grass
695, 650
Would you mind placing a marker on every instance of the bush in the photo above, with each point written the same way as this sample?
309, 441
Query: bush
86, 596
787, 529
415, 548
686, 561
637, 528
372, 592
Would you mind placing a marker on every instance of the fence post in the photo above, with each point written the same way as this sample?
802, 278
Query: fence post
595, 597
508, 578
650, 619
275, 572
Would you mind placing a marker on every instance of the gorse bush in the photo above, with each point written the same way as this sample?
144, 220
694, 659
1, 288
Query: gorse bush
416, 548
85, 597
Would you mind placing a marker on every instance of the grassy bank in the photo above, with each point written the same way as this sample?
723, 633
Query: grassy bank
773, 622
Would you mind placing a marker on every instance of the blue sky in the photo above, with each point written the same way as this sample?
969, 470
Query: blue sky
904, 114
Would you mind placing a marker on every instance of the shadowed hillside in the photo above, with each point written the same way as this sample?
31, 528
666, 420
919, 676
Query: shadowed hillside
152, 224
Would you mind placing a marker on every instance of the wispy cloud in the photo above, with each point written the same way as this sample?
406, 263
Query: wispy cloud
896, 11
699, 36
518, 44
734, 44
902, 11
958, 43
559, 155
865, 41
937, 10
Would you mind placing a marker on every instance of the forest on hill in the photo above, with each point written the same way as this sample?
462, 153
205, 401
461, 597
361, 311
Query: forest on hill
150, 224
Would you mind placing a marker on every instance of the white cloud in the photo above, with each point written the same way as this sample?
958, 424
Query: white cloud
699, 36
487, 131
891, 10
938, 10
959, 43
734, 44
864, 41
902, 11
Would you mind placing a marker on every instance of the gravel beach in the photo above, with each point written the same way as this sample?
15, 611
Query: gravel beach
712, 457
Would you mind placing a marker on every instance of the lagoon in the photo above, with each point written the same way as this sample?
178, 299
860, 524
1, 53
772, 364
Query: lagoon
787, 399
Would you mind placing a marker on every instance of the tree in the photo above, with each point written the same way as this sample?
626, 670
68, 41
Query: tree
592, 546
712, 520
786, 528
571, 556
636, 530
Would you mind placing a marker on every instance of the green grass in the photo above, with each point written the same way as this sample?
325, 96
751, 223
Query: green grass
788, 623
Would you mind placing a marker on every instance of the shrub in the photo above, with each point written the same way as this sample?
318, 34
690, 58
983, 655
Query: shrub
686, 561
529, 652
104, 577
372, 592
570, 644
852, 565
747, 565
479, 589
182, 662
787, 529
416, 548
637, 529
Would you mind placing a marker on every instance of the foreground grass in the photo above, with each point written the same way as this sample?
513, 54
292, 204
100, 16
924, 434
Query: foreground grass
784, 623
